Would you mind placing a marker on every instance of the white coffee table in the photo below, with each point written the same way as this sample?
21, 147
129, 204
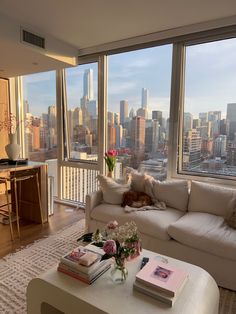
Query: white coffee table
54, 292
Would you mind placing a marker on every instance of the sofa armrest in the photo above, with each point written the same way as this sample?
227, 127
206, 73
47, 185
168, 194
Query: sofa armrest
92, 200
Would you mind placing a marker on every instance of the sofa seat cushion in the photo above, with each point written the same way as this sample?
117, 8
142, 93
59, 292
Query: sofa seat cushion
151, 222
205, 232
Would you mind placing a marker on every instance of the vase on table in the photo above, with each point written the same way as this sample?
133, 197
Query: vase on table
119, 272
136, 246
13, 149
110, 174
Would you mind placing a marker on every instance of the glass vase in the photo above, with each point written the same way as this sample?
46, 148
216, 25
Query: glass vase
110, 174
119, 272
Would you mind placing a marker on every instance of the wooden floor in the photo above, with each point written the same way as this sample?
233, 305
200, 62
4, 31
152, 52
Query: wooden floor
63, 216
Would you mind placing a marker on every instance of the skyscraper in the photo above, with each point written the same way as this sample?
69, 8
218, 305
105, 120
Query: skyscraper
157, 115
188, 121
88, 84
138, 135
220, 146
119, 135
231, 121
123, 111
110, 117
142, 112
191, 149
145, 94
111, 136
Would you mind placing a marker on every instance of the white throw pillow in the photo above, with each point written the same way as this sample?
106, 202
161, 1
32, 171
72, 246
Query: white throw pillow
111, 190
141, 182
212, 199
174, 193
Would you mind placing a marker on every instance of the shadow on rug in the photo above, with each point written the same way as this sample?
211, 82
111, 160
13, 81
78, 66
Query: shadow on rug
17, 269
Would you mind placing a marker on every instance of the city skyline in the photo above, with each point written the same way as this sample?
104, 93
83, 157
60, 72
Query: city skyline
150, 68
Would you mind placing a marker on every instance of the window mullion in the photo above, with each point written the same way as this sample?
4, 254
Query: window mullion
176, 109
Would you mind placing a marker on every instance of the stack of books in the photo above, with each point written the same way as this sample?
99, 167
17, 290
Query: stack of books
161, 281
84, 264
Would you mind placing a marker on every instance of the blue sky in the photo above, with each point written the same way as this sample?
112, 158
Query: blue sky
210, 79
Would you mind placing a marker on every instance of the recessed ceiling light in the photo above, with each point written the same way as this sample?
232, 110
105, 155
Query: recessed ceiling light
35, 63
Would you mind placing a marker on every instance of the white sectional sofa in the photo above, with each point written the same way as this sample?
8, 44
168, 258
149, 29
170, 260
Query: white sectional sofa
193, 227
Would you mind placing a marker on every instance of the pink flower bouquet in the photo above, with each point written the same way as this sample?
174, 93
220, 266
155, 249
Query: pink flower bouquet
110, 159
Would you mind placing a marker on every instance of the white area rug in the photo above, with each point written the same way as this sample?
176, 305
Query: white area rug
16, 270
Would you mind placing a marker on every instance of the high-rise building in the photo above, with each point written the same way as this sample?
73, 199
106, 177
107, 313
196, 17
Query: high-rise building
138, 135
111, 136
131, 113
206, 147
223, 126
191, 150
123, 111
214, 115
145, 96
231, 154
36, 137
142, 112
231, 121
220, 146
117, 118
52, 126
188, 121
77, 117
196, 123
110, 117
203, 117
52, 111
157, 115
92, 108
88, 84
119, 135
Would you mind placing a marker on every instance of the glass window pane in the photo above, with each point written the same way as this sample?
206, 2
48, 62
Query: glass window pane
39, 94
138, 108
82, 111
209, 129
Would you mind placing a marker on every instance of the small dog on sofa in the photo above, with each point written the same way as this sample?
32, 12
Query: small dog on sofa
136, 199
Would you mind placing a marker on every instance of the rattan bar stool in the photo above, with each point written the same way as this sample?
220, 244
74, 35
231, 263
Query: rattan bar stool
15, 178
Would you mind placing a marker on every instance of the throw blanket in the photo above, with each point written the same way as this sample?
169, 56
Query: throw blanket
156, 206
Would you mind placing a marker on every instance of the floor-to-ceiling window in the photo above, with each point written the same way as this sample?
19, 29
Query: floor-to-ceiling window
209, 111
40, 121
138, 108
79, 166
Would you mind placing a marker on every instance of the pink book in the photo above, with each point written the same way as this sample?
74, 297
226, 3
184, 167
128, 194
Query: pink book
162, 277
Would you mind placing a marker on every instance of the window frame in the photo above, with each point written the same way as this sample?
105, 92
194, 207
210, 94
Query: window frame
177, 111
176, 103
63, 158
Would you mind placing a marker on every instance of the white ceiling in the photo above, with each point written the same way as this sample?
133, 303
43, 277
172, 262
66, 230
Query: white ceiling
87, 23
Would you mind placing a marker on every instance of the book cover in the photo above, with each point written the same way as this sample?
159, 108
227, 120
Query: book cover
104, 264
77, 276
72, 259
162, 277
154, 294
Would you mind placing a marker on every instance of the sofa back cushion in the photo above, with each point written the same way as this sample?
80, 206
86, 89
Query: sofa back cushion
140, 182
174, 193
212, 199
111, 190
